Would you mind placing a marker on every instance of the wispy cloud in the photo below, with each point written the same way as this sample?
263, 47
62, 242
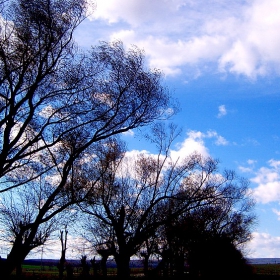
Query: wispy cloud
129, 133
249, 168
277, 212
222, 111
219, 140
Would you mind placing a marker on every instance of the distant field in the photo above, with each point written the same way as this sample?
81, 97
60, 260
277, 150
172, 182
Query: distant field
267, 269
51, 272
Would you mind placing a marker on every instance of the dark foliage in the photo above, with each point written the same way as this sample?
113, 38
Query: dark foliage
217, 258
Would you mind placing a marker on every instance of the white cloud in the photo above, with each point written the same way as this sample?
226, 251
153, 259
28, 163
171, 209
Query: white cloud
250, 168
240, 37
268, 192
134, 153
129, 133
268, 183
251, 161
245, 169
263, 245
220, 140
274, 163
222, 111
135, 12
277, 212
171, 56
193, 143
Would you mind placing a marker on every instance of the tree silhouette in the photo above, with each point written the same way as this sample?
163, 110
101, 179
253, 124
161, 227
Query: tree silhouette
136, 198
85, 267
226, 223
58, 105
63, 241
217, 257
35, 50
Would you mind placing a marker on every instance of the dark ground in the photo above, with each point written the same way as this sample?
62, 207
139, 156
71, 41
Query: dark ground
36, 270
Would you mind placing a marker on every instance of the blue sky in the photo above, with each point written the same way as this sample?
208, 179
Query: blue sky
221, 60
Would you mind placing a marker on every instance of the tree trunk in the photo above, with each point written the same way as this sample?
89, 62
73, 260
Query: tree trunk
14, 259
19, 251
146, 264
123, 271
179, 264
61, 264
104, 265
63, 242
18, 270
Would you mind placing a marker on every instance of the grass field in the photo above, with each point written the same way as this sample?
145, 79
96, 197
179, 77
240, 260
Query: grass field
267, 269
262, 271
51, 272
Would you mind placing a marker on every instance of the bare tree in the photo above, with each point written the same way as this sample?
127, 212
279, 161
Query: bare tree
36, 49
50, 91
58, 105
18, 209
135, 199
63, 241
149, 248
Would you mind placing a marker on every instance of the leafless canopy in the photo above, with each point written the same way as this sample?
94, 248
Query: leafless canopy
52, 95
57, 104
136, 198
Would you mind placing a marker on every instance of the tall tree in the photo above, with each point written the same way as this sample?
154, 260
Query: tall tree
58, 105
36, 47
63, 241
50, 91
18, 209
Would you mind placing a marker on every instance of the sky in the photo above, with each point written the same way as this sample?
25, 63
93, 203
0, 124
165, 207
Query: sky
221, 61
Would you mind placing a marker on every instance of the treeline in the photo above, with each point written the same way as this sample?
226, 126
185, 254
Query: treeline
62, 161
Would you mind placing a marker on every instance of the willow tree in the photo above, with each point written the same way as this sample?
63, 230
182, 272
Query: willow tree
136, 197
57, 103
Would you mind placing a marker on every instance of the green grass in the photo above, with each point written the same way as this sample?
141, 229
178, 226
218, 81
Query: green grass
38, 267
45, 272
51, 272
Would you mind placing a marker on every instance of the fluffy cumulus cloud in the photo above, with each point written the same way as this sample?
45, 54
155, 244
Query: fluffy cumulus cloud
263, 245
135, 12
267, 180
240, 37
193, 143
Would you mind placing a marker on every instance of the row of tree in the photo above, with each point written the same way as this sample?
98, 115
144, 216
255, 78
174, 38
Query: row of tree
61, 111
173, 208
